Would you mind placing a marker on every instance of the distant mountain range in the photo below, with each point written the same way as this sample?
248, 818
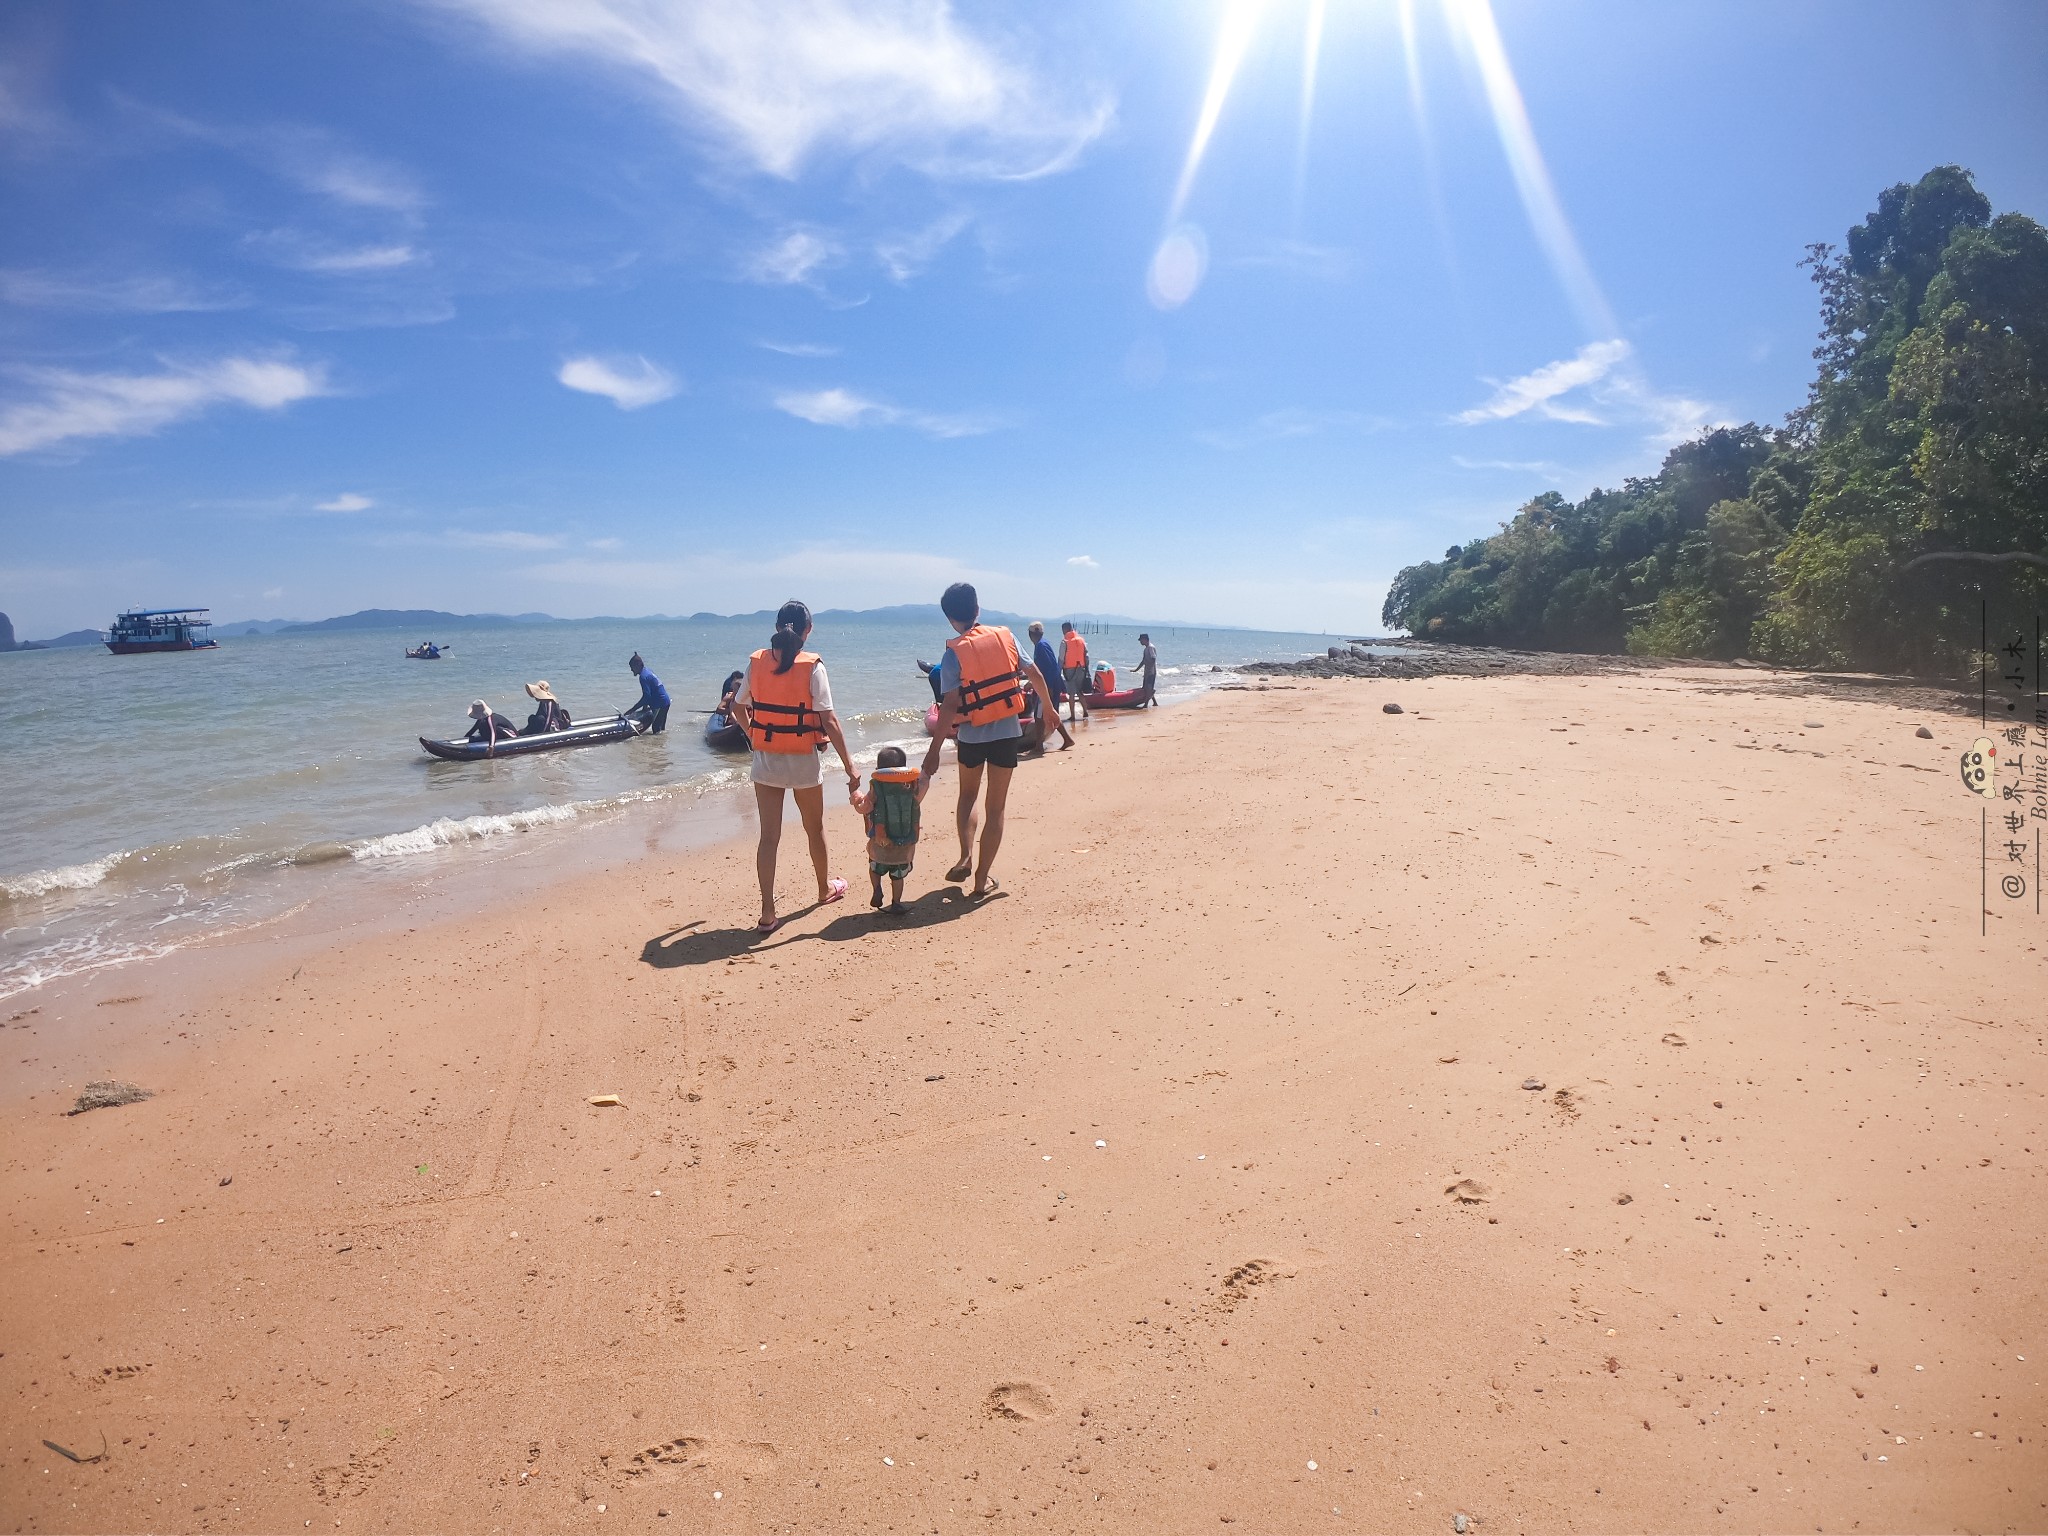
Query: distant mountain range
426, 621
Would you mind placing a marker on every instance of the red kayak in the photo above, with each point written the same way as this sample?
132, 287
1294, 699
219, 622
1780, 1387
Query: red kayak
1034, 731
1123, 698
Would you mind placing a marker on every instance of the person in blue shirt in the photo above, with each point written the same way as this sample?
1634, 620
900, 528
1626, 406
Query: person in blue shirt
1047, 660
653, 705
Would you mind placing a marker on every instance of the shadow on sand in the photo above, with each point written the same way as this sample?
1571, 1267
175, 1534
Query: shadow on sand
694, 944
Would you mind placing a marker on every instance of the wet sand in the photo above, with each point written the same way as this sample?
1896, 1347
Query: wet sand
1191, 1183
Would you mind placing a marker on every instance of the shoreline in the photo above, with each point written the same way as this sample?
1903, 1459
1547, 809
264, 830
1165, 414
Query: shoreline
1198, 1155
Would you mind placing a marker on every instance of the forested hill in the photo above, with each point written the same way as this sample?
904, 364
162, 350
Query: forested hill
1925, 433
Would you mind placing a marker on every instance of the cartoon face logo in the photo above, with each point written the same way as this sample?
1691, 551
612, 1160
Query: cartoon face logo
1980, 766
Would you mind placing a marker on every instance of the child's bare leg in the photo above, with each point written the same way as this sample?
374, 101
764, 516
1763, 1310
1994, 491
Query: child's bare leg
895, 894
875, 881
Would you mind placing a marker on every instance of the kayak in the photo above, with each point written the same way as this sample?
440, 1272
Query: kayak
1034, 729
432, 653
723, 734
594, 733
1123, 698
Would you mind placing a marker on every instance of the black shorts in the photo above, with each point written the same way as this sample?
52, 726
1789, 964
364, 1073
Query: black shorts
996, 754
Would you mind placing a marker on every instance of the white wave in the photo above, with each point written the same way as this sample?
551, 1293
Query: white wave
73, 958
74, 877
447, 831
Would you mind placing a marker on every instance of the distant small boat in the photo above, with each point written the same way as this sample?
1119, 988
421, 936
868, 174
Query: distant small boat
161, 629
724, 734
595, 733
426, 651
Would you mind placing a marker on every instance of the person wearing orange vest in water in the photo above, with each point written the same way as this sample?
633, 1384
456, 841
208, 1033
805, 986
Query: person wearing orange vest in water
890, 808
983, 685
785, 702
1073, 665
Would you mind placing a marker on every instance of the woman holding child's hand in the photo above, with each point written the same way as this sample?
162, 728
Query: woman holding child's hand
786, 704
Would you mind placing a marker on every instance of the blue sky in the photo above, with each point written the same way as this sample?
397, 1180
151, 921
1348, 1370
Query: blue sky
631, 306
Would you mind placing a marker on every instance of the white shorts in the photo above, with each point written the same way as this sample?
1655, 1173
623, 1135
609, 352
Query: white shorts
789, 770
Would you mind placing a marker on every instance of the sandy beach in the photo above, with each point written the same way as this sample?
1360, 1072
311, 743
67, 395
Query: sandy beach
1192, 1183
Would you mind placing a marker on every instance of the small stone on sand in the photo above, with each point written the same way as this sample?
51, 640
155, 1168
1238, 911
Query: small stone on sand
1533, 1084
1923, 733
1392, 709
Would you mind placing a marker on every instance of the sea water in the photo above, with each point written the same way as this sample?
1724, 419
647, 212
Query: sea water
153, 802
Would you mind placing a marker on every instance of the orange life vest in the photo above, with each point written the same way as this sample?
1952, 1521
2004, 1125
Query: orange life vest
780, 717
1077, 650
990, 689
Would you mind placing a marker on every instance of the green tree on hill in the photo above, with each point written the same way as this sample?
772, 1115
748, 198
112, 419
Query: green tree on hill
1925, 433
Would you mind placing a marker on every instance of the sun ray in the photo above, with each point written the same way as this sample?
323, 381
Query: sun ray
1311, 55
1240, 21
1473, 21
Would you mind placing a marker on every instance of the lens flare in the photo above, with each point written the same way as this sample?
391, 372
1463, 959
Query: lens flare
1240, 21
1311, 58
1177, 267
1473, 22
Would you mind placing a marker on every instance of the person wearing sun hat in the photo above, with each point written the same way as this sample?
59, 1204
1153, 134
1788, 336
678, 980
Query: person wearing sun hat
548, 714
490, 726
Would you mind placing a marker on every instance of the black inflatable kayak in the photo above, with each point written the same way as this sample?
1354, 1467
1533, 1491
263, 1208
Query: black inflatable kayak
595, 733
721, 734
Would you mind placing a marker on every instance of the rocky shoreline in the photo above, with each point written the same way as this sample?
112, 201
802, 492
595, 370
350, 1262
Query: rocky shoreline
1424, 658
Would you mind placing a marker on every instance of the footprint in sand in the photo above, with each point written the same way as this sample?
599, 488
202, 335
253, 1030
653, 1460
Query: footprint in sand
683, 1451
1022, 1402
1467, 1192
1238, 1284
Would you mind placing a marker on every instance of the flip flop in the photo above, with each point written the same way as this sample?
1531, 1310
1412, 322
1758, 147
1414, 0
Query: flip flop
769, 926
987, 890
836, 891
958, 873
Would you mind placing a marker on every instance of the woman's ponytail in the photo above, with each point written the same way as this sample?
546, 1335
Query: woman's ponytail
792, 624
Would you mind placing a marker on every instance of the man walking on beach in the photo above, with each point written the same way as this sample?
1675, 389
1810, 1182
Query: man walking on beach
653, 705
1073, 665
1149, 665
1047, 661
982, 681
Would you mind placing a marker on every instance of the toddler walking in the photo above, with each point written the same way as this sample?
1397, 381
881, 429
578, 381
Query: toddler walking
890, 806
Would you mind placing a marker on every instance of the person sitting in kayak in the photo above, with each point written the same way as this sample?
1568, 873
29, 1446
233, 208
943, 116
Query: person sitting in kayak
491, 727
548, 714
930, 669
890, 807
728, 692
653, 705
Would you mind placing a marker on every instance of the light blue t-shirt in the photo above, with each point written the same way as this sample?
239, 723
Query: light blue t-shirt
995, 730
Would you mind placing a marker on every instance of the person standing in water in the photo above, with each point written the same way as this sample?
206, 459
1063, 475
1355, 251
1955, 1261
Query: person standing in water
785, 702
982, 683
1148, 664
653, 705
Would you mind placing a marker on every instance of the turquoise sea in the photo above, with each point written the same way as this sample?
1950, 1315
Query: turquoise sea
154, 802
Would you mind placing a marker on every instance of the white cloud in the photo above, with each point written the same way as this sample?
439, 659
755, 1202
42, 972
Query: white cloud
605, 544
904, 256
505, 538
1613, 391
271, 594
347, 501
1086, 562
137, 295
778, 81
1292, 422
1539, 391
628, 382
1327, 263
792, 259
369, 258
1543, 469
843, 408
799, 348
71, 404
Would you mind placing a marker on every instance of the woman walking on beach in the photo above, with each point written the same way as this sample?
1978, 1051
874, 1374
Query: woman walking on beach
786, 703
